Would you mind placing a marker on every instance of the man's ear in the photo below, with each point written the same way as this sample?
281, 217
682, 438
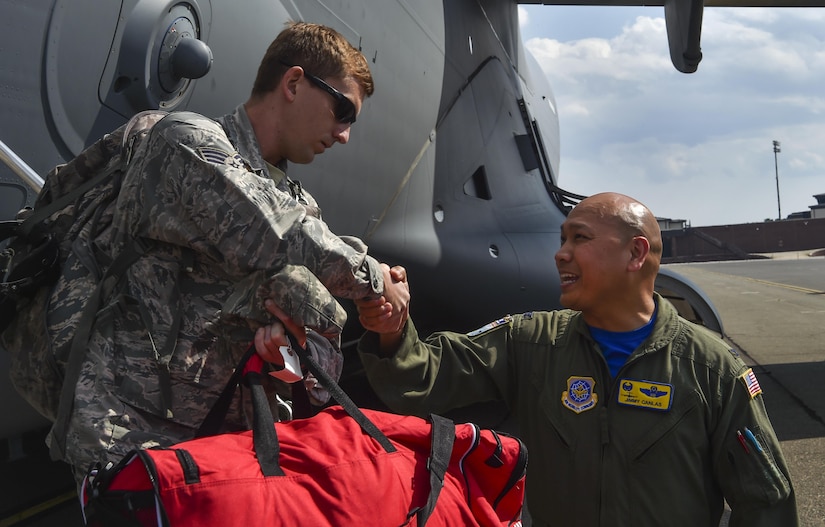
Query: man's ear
289, 82
639, 249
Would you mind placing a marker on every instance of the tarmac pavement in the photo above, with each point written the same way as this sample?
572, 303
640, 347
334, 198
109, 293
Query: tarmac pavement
773, 312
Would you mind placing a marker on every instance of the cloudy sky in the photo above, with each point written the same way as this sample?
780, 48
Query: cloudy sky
697, 147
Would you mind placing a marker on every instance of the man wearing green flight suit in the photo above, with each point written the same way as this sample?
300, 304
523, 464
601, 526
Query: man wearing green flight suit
633, 417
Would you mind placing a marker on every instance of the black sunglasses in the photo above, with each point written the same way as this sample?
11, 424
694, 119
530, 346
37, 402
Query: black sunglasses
344, 109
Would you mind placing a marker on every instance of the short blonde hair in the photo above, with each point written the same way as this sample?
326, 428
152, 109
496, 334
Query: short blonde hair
319, 50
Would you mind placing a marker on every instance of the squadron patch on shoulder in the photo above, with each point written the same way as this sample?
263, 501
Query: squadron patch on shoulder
646, 394
751, 384
491, 326
219, 157
580, 396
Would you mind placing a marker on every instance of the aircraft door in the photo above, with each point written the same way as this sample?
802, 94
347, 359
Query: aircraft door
500, 227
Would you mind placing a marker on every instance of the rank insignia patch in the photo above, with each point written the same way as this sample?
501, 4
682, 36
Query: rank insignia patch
490, 326
751, 384
645, 394
580, 396
219, 157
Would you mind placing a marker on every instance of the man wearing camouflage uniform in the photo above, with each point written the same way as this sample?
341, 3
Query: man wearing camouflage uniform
223, 228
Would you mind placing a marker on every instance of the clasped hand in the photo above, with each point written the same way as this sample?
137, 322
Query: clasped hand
386, 314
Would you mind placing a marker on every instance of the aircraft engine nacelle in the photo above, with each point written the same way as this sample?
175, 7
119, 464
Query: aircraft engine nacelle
161, 50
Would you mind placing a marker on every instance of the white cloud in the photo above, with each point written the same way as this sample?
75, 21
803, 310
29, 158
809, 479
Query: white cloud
523, 16
695, 147
631, 55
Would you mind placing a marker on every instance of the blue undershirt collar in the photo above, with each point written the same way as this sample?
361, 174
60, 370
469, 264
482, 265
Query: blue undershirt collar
617, 346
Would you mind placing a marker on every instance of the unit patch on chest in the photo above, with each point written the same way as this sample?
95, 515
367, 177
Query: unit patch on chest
580, 396
645, 394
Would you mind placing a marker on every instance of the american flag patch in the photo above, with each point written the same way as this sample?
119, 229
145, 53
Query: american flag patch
751, 383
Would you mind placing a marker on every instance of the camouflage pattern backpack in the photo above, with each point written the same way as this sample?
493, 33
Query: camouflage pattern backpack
60, 266
58, 261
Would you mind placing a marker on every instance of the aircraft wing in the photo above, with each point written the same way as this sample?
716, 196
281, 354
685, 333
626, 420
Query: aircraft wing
683, 19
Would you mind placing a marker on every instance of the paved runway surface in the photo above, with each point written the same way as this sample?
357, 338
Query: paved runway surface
773, 311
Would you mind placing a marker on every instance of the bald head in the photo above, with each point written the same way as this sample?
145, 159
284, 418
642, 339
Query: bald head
630, 217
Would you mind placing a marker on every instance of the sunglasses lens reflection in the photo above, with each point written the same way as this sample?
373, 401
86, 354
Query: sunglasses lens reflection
345, 110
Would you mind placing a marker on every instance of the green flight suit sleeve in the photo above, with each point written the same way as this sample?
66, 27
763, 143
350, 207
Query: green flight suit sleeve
446, 371
751, 468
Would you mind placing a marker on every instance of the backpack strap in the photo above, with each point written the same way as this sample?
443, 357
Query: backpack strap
31, 225
41, 264
77, 352
22, 273
163, 357
140, 122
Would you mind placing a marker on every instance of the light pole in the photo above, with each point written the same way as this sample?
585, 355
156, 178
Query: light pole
776, 150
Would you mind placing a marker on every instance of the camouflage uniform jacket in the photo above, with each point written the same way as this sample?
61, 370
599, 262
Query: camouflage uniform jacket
656, 445
218, 224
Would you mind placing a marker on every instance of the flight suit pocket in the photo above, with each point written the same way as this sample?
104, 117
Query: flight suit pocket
550, 405
665, 426
759, 476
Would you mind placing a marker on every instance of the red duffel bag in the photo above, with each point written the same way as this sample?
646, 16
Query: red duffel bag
333, 469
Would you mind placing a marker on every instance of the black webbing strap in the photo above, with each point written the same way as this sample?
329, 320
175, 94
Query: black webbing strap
217, 414
301, 407
212, 423
164, 375
80, 344
341, 397
20, 274
33, 230
441, 449
264, 436
30, 224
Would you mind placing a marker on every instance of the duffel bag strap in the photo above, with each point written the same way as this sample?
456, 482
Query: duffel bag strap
212, 423
264, 436
267, 448
441, 449
340, 396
